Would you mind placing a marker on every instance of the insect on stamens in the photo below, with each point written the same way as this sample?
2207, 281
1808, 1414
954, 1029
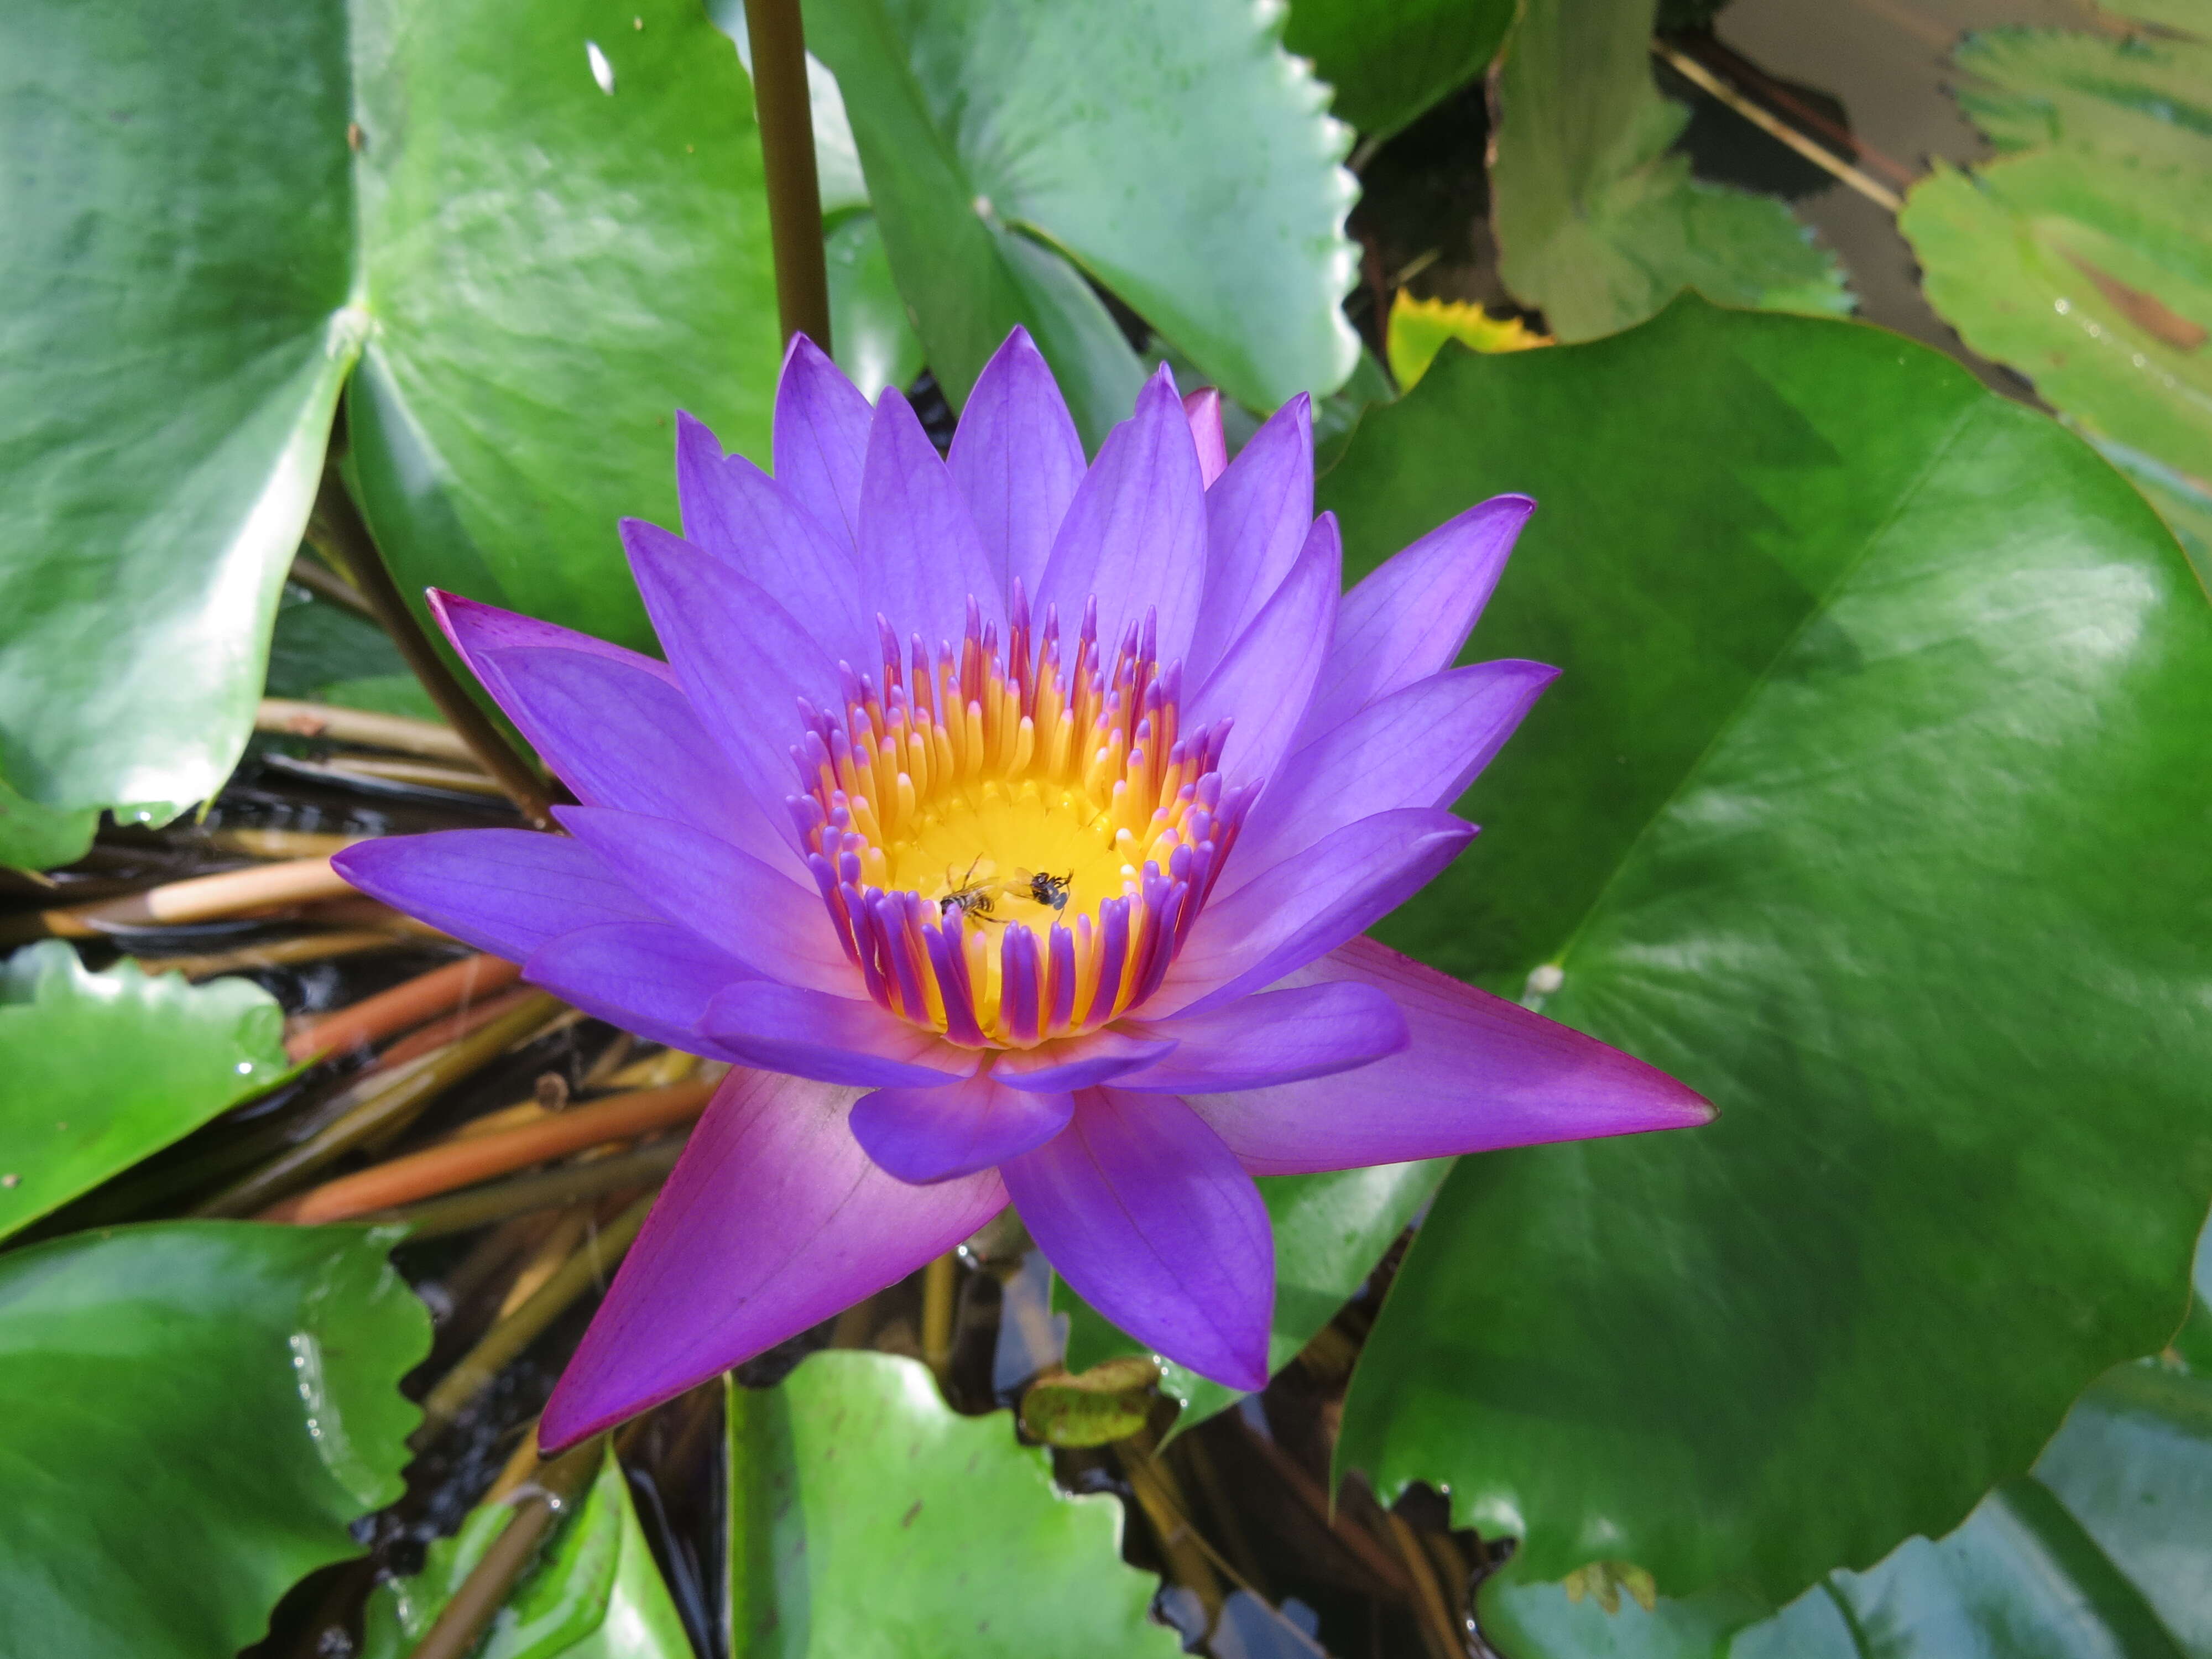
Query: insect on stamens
972, 898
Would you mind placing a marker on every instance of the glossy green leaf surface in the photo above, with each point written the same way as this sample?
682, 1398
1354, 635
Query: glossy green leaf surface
1387, 64
1869, 804
1330, 1231
553, 268
1598, 223
104, 1069
2085, 260
593, 1592
191, 1413
323, 652
1170, 150
876, 344
869, 1521
2102, 1554
174, 186
36, 837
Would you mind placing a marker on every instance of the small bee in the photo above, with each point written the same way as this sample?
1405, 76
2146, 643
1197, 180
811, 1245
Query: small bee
1042, 889
972, 897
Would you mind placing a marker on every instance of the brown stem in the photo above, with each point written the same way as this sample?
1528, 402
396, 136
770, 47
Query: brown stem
1439, 1633
283, 952
402, 1007
399, 732
940, 1281
324, 582
556, 1485
200, 898
794, 194
339, 533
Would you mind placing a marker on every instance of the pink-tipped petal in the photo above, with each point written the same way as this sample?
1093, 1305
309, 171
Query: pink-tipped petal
773, 1220
841, 1040
1420, 746
646, 977
1081, 1062
619, 737
743, 661
821, 437
730, 899
1307, 906
736, 512
1479, 1073
921, 560
1147, 1214
1263, 682
1273, 1036
1412, 614
923, 1135
1202, 409
1135, 533
1257, 519
508, 891
1016, 460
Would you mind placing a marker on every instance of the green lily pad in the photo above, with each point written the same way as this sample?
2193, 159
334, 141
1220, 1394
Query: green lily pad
1869, 804
594, 1592
1598, 221
104, 1069
178, 328
2101, 1552
1168, 149
191, 1414
35, 837
1389, 64
1330, 1231
2086, 262
868, 1520
533, 273
876, 344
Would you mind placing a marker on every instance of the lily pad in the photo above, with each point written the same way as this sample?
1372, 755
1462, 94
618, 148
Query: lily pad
2102, 1551
192, 1413
876, 344
2085, 262
1331, 1229
868, 1520
1599, 221
594, 1592
1388, 64
1168, 149
104, 1069
221, 211
1869, 803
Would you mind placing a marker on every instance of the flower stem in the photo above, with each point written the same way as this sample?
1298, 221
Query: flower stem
457, 1164
555, 1486
337, 531
1439, 1635
397, 732
508, 1337
794, 194
940, 1283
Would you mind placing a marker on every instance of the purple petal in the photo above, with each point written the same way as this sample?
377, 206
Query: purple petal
921, 560
936, 1134
773, 1220
1309, 904
747, 520
506, 891
1420, 746
1135, 534
782, 1028
1202, 409
730, 899
476, 630
1275, 1037
1263, 683
1479, 1073
1016, 460
643, 976
742, 660
1150, 1219
1080, 1062
1415, 611
821, 437
1257, 519
622, 737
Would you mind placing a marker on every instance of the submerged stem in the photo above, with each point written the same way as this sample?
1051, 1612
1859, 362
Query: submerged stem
554, 1487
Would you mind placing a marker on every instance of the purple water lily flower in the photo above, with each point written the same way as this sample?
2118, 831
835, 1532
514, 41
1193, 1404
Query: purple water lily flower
1011, 825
